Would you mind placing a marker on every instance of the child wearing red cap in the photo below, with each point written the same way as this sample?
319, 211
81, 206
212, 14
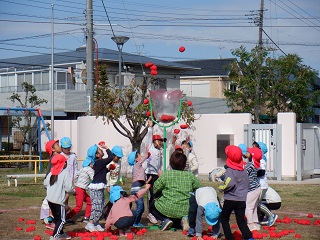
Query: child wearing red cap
154, 143
235, 191
254, 188
58, 184
52, 148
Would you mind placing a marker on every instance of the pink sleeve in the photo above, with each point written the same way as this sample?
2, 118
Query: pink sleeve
108, 222
143, 159
139, 194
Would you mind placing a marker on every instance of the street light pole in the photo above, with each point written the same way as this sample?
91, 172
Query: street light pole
120, 40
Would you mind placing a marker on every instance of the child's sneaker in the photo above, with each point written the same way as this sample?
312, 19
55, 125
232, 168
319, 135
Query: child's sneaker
99, 228
50, 226
185, 223
257, 226
48, 220
85, 220
272, 220
166, 224
138, 225
152, 219
64, 236
191, 232
90, 227
121, 233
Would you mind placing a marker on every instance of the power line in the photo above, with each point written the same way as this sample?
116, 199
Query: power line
295, 16
274, 42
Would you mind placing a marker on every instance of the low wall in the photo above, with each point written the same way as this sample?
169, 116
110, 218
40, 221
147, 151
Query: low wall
88, 130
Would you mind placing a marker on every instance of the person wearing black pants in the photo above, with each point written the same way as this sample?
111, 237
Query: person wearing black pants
235, 189
59, 214
192, 214
239, 208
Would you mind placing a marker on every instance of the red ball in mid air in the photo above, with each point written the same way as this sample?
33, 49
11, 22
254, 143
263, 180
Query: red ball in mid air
182, 49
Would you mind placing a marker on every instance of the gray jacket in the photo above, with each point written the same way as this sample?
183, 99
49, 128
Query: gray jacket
57, 192
236, 185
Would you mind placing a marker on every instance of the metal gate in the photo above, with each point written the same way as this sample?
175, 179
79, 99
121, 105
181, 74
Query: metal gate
308, 150
270, 134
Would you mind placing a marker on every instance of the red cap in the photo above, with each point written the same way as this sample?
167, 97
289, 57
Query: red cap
157, 137
256, 155
178, 147
234, 159
49, 146
57, 161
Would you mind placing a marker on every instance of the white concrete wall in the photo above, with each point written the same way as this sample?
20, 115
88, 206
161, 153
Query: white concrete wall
288, 144
87, 131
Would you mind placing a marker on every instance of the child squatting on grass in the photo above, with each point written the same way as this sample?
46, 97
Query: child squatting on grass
121, 216
58, 184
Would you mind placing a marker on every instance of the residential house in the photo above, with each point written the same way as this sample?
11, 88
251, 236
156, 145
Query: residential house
209, 80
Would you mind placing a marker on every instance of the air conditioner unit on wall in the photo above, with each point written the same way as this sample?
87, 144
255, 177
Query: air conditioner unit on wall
126, 79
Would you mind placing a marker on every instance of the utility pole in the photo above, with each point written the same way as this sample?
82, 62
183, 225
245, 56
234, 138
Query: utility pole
260, 45
89, 55
52, 70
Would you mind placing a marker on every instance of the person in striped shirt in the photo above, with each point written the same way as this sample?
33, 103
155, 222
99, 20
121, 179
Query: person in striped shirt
254, 188
82, 179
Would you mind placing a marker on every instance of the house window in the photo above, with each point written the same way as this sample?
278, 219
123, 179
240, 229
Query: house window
126, 79
233, 87
61, 80
37, 81
160, 83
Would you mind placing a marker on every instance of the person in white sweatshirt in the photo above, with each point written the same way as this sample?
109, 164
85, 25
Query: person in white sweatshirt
154, 144
204, 204
58, 183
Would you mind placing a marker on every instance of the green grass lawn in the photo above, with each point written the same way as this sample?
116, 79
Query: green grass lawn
24, 201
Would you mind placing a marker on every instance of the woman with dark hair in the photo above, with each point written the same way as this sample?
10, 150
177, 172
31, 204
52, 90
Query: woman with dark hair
173, 204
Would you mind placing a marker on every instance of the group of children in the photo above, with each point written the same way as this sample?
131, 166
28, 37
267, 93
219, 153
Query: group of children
245, 187
176, 197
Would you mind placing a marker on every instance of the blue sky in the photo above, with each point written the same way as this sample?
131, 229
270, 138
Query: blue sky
207, 29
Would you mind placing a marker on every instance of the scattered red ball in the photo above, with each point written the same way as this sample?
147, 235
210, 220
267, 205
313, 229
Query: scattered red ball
146, 101
31, 222
153, 67
148, 64
184, 126
176, 131
166, 118
182, 49
189, 103
154, 72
